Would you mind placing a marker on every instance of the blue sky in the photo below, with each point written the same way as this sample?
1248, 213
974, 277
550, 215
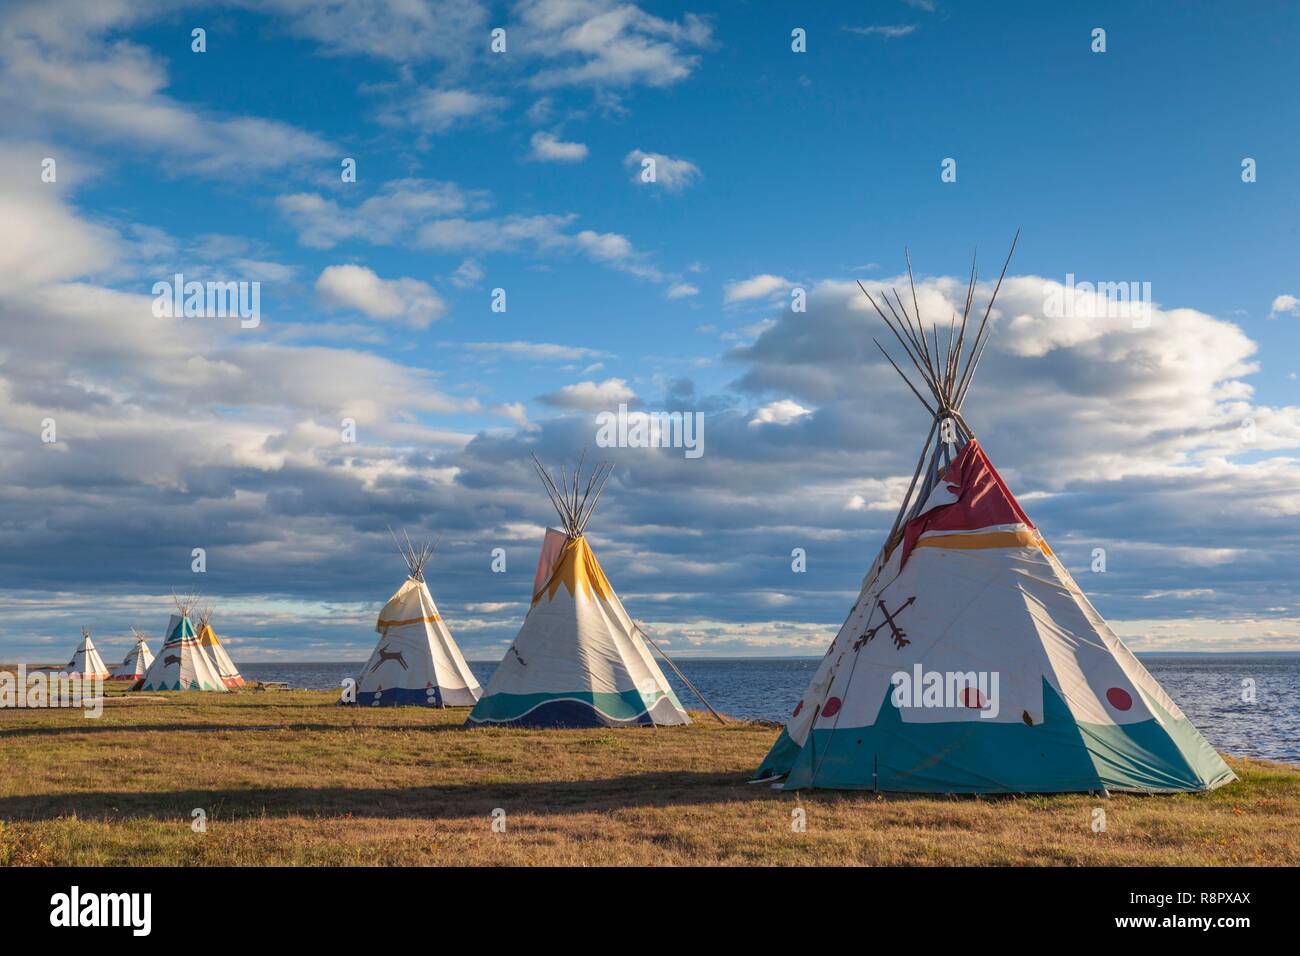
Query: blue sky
778, 169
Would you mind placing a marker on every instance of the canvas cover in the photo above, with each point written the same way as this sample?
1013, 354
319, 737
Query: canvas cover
136, 662
552, 547
216, 651
416, 660
86, 661
972, 588
578, 660
182, 664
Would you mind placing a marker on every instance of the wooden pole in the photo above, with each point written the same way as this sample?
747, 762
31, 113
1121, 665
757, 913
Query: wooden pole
676, 670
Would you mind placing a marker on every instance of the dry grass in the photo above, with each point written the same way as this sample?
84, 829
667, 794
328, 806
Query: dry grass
288, 778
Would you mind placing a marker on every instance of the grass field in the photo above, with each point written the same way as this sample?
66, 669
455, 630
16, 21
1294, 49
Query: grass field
289, 778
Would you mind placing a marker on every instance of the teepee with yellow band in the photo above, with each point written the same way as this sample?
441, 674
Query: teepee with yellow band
416, 661
971, 661
212, 645
579, 660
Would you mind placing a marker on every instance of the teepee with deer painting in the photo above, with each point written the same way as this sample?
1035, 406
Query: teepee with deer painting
86, 662
137, 659
215, 650
182, 663
416, 661
579, 660
971, 661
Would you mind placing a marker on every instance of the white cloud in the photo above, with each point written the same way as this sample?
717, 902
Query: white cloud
382, 219
543, 351
591, 396
55, 244
467, 274
398, 30
439, 110
549, 148
888, 32
671, 173
604, 246
541, 111
1284, 305
755, 287
781, 412
57, 67
495, 235
681, 290
608, 43
404, 300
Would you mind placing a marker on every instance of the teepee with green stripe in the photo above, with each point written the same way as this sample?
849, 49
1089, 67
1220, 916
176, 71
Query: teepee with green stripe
971, 661
579, 659
182, 664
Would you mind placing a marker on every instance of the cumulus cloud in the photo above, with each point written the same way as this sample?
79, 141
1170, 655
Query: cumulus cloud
607, 43
426, 213
382, 219
550, 148
1285, 304
670, 173
467, 274
681, 290
441, 109
781, 412
394, 30
591, 396
755, 287
58, 66
410, 301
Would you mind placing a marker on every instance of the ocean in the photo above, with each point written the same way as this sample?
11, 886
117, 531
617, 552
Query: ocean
1208, 687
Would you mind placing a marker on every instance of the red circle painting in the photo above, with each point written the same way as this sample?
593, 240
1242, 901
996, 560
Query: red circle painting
1119, 698
972, 697
832, 707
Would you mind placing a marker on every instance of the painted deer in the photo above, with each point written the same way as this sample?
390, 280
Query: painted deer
386, 655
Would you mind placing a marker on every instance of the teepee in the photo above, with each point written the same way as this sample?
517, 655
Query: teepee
215, 650
182, 664
578, 660
416, 660
86, 661
137, 659
971, 661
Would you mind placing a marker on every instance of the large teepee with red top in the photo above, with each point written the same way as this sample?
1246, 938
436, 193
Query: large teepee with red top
971, 661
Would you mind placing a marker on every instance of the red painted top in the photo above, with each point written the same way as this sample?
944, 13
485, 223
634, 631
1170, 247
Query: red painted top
983, 500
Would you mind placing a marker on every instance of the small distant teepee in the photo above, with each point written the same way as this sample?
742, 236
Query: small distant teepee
579, 660
182, 664
416, 661
212, 645
86, 662
137, 659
